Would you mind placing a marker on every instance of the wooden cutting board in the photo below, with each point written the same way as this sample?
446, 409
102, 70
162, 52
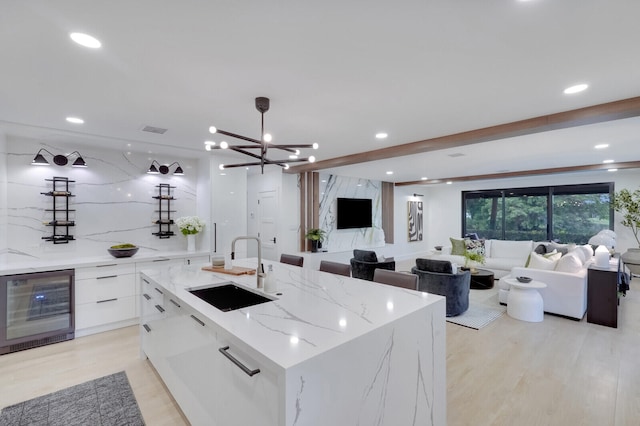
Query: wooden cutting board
236, 270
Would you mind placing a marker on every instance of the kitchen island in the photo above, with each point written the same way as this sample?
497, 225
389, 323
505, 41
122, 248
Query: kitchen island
327, 350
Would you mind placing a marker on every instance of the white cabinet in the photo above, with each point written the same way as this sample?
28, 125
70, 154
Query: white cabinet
211, 388
105, 297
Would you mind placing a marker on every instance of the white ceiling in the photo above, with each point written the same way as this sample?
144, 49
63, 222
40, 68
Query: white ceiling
337, 72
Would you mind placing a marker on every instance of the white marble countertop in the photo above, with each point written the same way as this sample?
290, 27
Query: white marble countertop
313, 312
21, 264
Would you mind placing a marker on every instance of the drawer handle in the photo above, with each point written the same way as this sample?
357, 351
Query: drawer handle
146, 327
107, 300
146, 296
158, 290
160, 308
234, 360
160, 260
174, 302
107, 276
108, 264
145, 281
197, 320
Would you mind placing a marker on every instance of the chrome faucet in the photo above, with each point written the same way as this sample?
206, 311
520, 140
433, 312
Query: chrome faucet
259, 274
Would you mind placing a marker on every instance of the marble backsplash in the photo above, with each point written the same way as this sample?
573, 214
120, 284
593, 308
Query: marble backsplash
333, 187
113, 201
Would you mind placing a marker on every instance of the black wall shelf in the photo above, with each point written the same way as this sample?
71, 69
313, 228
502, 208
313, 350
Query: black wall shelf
61, 219
164, 211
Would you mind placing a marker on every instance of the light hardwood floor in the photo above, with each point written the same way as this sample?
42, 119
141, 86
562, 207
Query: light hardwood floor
558, 372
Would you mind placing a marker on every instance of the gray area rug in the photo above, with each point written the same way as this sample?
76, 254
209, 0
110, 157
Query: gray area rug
105, 401
478, 315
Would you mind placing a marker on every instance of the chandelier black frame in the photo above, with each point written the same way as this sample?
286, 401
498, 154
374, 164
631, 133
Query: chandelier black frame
262, 105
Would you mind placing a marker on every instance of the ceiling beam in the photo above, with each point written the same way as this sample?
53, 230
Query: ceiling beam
570, 169
616, 110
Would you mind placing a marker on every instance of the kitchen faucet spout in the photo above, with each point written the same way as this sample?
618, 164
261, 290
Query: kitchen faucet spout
259, 273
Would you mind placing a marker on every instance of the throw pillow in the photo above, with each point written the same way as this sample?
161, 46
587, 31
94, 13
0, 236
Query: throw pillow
458, 247
474, 246
587, 250
547, 262
365, 255
431, 265
569, 263
579, 254
562, 248
541, 249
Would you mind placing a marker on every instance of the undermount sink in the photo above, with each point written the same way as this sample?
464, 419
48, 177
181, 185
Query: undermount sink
229, 297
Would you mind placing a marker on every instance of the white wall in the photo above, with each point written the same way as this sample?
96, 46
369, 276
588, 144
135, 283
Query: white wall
444, 202
113, 200
4, 204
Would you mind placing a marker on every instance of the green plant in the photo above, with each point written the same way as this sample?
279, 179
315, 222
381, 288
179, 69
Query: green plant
628, 205
315, 234
472, 256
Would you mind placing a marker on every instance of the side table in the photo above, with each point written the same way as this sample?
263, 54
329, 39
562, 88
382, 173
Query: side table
524, 301
482, 279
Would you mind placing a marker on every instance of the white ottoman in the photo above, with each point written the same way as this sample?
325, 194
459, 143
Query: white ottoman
524, 301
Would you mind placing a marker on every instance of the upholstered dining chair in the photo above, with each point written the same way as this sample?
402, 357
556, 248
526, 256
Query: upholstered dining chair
398, 279
365, 262
291, 259
335, 268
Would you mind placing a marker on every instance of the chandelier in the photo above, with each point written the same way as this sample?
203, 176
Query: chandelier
263, 145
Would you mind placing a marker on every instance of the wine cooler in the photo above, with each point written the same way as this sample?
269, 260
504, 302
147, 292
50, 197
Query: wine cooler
36, 309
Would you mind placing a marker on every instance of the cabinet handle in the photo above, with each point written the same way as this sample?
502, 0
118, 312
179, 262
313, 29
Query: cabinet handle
158, 290
160, 260
174, 302
145, 281
108, 264
146, 296
197, 320
107, 276
146, 327
107, 300
240, 365
160, 308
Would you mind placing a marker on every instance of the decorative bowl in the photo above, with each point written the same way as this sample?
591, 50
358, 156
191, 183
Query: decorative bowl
123, 250
524, 279
217, 261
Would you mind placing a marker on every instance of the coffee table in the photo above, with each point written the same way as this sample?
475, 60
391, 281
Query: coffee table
525, 302
482, 279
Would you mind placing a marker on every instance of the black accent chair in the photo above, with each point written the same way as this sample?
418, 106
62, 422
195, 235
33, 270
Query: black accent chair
438, 277
365, 262
292, 260
335, 268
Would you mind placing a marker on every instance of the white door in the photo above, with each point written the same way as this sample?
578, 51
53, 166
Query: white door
268, 224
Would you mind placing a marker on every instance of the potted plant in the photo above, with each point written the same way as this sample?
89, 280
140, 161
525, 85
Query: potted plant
627, 203
316, 236
472, 256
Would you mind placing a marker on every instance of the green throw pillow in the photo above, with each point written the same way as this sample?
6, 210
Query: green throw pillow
458, 247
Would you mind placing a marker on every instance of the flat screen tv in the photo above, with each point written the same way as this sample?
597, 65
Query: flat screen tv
354, 213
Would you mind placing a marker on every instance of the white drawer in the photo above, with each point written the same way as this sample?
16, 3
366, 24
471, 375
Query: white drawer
105, 270
104, 288
95, 314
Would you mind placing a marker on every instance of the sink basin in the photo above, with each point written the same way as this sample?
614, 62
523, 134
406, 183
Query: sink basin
229, 297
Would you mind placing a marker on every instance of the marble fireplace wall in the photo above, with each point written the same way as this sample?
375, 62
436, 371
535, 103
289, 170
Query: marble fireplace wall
113, 200
332, 187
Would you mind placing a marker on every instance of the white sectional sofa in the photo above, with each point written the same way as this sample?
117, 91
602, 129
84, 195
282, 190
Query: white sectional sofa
566, 291
500, 255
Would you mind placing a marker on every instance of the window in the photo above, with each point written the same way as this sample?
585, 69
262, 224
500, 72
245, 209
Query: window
570, 213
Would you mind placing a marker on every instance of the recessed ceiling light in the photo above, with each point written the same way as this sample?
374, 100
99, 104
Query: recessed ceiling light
608, 161
423, 178
75, 120
381, 135
449, 182
85, 40
612, 170
389, 172
602, 146
575, 89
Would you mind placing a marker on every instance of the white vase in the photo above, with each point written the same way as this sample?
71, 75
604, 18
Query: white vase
191, 243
